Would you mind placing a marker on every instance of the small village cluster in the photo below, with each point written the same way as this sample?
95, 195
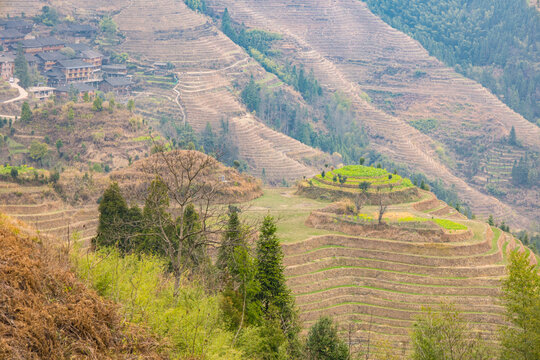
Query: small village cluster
66, 61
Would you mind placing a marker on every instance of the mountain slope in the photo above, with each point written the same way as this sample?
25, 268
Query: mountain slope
207, 63
353, 51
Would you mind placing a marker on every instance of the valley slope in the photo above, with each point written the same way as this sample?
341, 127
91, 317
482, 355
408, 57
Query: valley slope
353, 51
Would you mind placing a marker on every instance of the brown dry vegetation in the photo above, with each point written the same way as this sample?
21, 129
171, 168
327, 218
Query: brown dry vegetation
103, 137
46, 313
70, 207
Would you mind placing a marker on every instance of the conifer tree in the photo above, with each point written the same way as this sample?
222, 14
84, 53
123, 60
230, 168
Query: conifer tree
113, 211
521, 297
232, 238
323, 342
26, 113
21, 69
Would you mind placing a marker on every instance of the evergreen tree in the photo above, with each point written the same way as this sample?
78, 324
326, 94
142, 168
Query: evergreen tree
274, 296
113, 212
26, 113
21, 69
154, 213
208, 139
270, 266
193, 251
98, 104
512, 139
323, 342
251, 95
521, 297
232, 238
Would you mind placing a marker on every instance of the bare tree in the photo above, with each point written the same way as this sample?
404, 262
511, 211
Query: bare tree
187, 180
383, 206
359, 201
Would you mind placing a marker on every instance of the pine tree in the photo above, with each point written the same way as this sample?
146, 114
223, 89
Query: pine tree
21, 69
26, 113
155, 212
323, 342
512, 139
521, 297
232, 238
270, 266
113, 211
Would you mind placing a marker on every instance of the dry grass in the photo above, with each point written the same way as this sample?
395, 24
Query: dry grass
46, 313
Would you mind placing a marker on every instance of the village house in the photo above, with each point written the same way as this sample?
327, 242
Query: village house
76, 30
92, 57
7, 66
41, 92
47, 60
78, 89
76, 70
117, 85
22, 26
10, 36
34, 46
114, 70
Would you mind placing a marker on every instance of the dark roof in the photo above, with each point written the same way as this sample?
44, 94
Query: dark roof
18, 24
40, 42
31, 58
80, 87
75, 28
11, 34
79, 47
118, 81
54, 73
91, 54
51, 56
73, 64
6, 58
114, 67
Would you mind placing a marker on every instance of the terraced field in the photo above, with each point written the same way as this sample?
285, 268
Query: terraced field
353, 51
43, 210
374, 280
207, 64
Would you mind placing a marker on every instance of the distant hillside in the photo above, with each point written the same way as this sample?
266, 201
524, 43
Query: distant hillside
75, 135
48, 314
493, 42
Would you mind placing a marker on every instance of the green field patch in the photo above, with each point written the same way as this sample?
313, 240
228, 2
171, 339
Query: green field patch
425, 125
449, 224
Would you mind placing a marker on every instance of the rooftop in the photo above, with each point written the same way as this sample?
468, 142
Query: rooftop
118, 81
91, 54
6, 58
39, 42
114, 67
73, 64
51, 56
79, 47
11, 34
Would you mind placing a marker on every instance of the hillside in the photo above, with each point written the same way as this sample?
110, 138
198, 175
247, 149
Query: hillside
403, 83
47, 313
68, 209
391, 81
207, 64
75, 135
375, 279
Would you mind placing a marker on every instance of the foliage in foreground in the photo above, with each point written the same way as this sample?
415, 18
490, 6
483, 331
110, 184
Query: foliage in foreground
521, 297
444, 335
323, 342
190, 322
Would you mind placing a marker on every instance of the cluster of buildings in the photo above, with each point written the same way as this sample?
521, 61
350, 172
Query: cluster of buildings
66, 66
